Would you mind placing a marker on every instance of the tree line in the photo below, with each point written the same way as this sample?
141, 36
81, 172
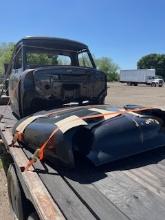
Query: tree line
6, 50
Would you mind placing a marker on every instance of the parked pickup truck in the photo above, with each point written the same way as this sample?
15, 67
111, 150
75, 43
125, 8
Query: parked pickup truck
47, 72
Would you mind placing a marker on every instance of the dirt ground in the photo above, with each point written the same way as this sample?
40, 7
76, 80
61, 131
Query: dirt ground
118, 95
121, 94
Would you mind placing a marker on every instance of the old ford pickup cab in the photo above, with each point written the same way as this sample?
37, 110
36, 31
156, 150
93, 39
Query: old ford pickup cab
48, 72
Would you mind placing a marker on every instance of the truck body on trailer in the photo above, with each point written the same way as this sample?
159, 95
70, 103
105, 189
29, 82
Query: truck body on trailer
47, 72
140, 76
132, 188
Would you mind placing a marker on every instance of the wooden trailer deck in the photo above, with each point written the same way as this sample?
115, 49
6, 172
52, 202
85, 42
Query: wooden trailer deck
133, 188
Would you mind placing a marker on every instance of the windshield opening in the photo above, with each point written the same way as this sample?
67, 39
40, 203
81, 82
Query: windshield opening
158, 77
37, 57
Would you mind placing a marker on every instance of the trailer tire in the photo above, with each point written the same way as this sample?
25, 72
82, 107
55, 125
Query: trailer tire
15, 193
33, 216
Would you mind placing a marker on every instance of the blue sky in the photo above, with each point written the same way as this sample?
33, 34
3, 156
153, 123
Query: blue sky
124, 30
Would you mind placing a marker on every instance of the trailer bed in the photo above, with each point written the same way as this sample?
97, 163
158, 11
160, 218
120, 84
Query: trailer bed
132, 188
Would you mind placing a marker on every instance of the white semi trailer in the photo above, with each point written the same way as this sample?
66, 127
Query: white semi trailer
141, 76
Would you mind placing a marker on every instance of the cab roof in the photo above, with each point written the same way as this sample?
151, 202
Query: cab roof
52, 42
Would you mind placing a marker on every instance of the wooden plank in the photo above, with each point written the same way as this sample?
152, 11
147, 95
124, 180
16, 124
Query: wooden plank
151, 173
147, 179
135, 200
42, 201
159, 175
71, 205
98, 203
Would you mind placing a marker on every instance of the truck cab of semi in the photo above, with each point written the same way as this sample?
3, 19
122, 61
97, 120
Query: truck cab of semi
155, 81
48, 72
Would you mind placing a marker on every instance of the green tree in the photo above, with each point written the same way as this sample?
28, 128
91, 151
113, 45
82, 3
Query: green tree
6, 50
106, 65
153, 61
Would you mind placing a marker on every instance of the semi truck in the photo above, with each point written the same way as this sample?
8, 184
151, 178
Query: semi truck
141, 76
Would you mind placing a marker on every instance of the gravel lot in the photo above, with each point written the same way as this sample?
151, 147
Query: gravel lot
118, 95
121, 94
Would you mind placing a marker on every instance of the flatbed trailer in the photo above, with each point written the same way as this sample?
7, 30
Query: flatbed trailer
133, 188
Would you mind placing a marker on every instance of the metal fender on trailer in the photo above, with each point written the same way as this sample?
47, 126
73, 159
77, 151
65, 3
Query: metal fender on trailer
100, 133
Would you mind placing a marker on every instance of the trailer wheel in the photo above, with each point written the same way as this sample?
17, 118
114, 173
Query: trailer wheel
15, 194
33, 216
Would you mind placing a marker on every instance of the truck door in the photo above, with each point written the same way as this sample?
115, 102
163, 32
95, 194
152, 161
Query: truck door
14, 79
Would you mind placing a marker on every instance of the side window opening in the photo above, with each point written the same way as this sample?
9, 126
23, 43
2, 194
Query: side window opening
18, 60
84, 60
